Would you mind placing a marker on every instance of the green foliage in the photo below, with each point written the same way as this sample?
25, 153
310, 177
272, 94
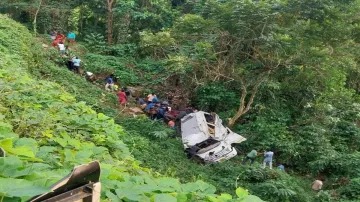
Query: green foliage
192, 24
352, 190
306, 107
157, 44
215, 97
46, 132
95, 43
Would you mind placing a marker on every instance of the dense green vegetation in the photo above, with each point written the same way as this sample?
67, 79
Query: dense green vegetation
46, 132
282, 73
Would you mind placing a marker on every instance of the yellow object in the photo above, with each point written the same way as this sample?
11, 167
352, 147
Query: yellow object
116, 87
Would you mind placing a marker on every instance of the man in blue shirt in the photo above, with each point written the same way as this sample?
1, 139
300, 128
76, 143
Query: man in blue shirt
268, 158
281, 167
149, 106
76, 64
109, 83
71, 37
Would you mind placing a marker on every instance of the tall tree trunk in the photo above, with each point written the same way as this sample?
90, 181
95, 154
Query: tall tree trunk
81, 20
35, 18
245, 107
110, 16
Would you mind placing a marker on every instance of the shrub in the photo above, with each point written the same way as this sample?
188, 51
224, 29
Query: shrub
215, 97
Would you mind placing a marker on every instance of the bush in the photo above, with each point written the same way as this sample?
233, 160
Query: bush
215, 97
352, 190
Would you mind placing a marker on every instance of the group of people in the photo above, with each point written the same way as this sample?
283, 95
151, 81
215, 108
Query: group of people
161, 110
73, 63
58, 38
268, 159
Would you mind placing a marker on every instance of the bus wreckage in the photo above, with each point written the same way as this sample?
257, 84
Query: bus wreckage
205, 138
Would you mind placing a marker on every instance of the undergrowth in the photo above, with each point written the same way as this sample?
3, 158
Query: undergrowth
45, 132
166, 156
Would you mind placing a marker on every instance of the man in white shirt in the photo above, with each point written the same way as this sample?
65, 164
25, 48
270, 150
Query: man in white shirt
317, 185
90, 76
61, 48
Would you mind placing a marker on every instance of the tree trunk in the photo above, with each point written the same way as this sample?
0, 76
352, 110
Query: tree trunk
35, 18
110, 17
245, 107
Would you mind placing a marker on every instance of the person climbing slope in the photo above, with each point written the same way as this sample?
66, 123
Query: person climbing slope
76, 64
122, 97
250, 156
62, 48
71, 37
109, 86
281, 167
70, 64
268, 158
90, 76
53, 35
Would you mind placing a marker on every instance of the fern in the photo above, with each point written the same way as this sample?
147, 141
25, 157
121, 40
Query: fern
160, 134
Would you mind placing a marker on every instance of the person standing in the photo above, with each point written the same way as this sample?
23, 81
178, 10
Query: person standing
62, 48
76, 64
71, 37
250, 156
268, 158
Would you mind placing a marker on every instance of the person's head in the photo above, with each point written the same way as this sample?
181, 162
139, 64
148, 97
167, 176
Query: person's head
61, 42
76, 58
112, 75
137, 98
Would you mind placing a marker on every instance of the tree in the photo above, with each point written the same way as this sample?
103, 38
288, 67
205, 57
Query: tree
110, 18
35, 17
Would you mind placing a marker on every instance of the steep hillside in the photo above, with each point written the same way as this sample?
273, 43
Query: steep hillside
46, 132
284, 74
165, 155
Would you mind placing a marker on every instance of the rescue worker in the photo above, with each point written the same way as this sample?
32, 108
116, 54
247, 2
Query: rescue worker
90, 76
122, 97
250, 156
268, 158
71, 37
76, 64
281, 167
109, 86
141, 102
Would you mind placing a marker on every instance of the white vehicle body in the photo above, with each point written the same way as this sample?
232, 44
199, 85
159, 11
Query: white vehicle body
204, 135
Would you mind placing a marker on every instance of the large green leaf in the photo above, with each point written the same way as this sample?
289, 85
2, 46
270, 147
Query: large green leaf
9, 166
199, 186
241, 193
252, 198
164, 197
7, 145
15, 187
